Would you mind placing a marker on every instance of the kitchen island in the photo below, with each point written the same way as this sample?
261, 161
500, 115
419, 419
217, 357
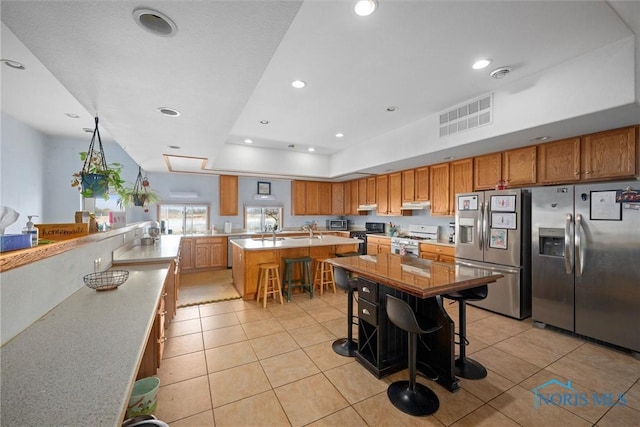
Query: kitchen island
382, 347
248, 254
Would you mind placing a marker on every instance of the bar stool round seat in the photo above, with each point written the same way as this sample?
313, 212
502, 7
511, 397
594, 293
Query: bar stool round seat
346, 346
465, 367
324, 276
304, 281
268, 283
410, 396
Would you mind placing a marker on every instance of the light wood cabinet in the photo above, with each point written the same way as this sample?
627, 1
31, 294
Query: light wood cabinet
210, 252
362, 191
415, 185
378, 245
186, 254
353, 205
487, 171
519, 166
228, 195
559, 161
610, 154
389, 198
338, 197
382, 198
298, 198
312, 197
371, 190
438, 253
439, 189
461, 180
324, 198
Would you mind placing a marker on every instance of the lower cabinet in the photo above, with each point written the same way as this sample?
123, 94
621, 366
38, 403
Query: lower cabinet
203, 253
438, 253
378, 245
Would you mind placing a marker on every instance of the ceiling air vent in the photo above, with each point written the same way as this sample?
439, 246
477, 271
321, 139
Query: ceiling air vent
467, 116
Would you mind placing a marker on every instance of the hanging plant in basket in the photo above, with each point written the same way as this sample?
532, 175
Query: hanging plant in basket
97, 177
140, 195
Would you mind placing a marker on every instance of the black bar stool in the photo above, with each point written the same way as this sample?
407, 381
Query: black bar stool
465, 367
346, 346
304, 281
410, 396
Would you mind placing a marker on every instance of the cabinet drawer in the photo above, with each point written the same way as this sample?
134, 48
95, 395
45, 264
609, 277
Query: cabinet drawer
208, 240
368, 312
368, 290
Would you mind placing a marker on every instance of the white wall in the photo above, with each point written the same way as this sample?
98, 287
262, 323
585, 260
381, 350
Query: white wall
22, 152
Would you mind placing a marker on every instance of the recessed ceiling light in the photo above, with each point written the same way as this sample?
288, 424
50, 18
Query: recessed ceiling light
392, 108
311, 149
13, 64
481, 63
175, 147
248, 141
72, 115
540, 138
298, 84
339, 135
264, 122
155, 22
365, 7
501, 72
171, 112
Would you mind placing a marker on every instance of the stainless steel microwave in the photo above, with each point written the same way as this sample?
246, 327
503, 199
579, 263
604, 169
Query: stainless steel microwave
336, 224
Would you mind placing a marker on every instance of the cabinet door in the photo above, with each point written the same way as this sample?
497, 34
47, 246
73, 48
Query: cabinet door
324, 198
346, 203
203, 255
338, 198
218, 254
372, 248
228, 195
312, 197
371, 190
461, 180
421, 185
186, 254
395, 193
519, 166
487, 171
298, 198
362, 191
408, 185
382, 198
439, 189
559, 161
610, 154
384, 249
355, 188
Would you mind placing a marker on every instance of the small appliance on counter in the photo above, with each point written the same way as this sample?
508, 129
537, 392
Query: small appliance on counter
452, 232
227, 227
337, 224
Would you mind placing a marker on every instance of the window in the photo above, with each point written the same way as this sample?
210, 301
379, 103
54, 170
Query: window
262, 218
184, 219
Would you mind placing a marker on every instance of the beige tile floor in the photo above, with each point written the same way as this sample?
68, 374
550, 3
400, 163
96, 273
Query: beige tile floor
234, 363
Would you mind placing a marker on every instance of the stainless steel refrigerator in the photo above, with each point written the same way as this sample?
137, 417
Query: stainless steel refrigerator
586, 260
493, 230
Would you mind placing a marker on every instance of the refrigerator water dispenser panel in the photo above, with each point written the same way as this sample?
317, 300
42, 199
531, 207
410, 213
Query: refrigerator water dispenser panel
466, 228
551, 242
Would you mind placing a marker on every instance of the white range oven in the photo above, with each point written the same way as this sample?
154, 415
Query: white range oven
410, 244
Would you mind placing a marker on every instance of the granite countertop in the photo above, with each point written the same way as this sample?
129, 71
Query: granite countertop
415, 276
78, 363
292, 242
166, 248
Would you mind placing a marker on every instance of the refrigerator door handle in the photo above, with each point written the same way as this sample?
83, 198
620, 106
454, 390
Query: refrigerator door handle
568, 245
485, 225
481, 227
579, 248
487, 267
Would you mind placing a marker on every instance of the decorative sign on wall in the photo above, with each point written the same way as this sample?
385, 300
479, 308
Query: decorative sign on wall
63, 231
264, 187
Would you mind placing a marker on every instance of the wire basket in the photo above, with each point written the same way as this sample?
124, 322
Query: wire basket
106, 280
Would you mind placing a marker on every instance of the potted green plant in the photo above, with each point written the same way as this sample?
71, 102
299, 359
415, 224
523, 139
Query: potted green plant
97, 177
138, 195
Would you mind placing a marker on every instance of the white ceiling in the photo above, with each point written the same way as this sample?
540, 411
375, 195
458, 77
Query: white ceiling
231, 63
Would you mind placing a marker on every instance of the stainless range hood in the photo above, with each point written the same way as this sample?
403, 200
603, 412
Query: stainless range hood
371, 207
415, 205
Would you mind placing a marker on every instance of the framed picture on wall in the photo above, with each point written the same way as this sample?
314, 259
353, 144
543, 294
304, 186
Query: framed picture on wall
264, 187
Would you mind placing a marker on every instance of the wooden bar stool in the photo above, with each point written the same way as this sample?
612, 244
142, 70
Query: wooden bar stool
304, 281
324, 276
268, 283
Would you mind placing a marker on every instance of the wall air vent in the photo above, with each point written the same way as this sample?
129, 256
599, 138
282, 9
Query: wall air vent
467, 116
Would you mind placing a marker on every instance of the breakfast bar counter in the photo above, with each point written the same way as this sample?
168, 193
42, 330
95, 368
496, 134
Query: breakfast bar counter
382, 346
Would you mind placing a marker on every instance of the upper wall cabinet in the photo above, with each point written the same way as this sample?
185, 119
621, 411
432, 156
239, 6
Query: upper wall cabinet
310, 198
415, 185
228, 195
324, 198
519, 166
439, 189
599, 156
338, 197
298, 198
487, 171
